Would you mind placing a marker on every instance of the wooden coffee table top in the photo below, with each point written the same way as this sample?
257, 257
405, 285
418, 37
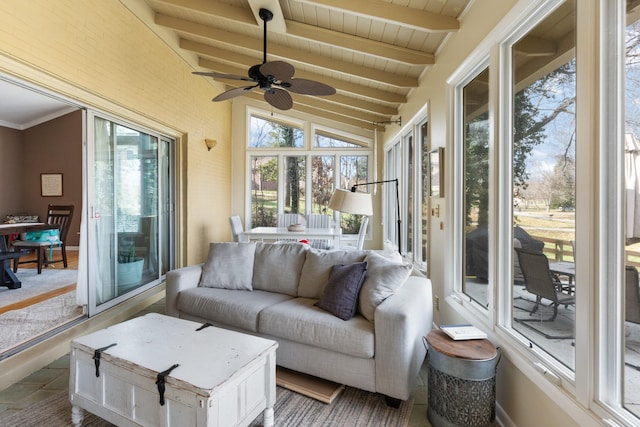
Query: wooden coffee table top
464, 349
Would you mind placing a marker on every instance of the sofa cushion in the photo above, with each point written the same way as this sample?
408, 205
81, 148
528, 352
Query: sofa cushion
317, 266
239, 309
299, 320
384, 278
340, 296
277, 267
229, 266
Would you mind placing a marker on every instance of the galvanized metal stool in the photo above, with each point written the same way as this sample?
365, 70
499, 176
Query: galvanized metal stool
462, 386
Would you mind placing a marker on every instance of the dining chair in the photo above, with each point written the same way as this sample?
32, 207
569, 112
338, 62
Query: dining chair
236, 227
631, 295
362, 233
538, 280
60, 215
286, 219
319, 221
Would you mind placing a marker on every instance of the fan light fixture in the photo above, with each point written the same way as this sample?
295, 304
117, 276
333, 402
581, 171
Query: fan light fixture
275, 78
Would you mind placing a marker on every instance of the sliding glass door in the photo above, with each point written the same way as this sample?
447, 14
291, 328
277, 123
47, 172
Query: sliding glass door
130, 205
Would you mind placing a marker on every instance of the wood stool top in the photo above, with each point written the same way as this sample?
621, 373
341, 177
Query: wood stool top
465, 349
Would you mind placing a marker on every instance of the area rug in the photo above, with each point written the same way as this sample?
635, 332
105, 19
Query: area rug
19, 326
34, 284
353, 408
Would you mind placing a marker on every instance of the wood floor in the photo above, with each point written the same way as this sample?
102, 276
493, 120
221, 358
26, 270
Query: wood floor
72, 263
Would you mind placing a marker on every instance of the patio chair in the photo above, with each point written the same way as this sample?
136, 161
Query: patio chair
60, 215
236, 227
538, 280
631, 295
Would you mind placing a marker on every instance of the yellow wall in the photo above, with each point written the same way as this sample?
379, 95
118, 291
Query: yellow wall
99, 54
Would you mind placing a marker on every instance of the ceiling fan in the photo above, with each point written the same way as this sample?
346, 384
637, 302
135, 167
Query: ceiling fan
275, 78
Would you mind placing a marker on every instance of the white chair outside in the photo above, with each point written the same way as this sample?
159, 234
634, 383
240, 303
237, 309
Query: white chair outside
319, 221
236, 227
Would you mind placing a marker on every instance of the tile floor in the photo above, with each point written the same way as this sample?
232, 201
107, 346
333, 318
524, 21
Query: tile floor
55, 377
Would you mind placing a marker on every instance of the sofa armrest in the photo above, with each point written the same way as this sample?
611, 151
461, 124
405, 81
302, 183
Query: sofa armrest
401, 321
179, 280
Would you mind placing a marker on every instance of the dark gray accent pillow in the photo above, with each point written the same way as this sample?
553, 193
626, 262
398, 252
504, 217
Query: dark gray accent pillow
340, 296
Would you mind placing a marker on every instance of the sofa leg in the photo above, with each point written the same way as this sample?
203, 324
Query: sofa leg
392, 402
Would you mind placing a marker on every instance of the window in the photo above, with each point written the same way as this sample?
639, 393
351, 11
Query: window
293, 171
631, 263
406, 160
476, 226
562, 172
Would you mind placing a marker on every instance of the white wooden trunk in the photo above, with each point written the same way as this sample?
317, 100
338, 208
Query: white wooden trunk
224, 378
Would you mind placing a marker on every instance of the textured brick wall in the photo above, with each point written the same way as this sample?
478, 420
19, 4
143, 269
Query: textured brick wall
98, 53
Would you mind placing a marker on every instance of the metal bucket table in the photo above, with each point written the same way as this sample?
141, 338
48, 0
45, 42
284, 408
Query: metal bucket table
461, 381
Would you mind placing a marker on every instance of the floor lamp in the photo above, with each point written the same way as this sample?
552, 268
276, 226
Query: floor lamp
353, 190
360, 203
351, 202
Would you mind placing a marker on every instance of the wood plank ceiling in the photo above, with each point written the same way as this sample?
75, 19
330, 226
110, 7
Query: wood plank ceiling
372, 51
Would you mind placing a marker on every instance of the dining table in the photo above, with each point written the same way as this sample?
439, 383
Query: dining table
566, 269
9, 279
283, 233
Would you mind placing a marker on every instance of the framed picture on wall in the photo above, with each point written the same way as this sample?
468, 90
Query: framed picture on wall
51, 184
436, 167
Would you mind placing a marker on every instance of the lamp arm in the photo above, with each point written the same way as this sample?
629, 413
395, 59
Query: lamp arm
353, 187
353, 190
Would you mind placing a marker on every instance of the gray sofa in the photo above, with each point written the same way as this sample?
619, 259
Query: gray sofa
271, 290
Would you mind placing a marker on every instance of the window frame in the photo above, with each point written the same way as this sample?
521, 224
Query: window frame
396, 160
308, 151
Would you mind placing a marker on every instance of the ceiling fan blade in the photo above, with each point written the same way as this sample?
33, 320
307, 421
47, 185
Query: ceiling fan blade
278, 98
280, 70
232, 93
307, 87
222, 76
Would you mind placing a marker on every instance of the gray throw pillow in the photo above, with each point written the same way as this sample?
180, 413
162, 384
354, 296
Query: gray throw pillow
383, 279
277, 267
229, 266
340, 296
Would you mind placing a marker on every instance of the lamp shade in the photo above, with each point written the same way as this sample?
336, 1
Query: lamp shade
351, 202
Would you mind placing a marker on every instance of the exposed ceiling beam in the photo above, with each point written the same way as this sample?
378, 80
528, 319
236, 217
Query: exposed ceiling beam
279, 51
341, 85
310, 32
395, 14
360, 44
325, 103
348, 120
